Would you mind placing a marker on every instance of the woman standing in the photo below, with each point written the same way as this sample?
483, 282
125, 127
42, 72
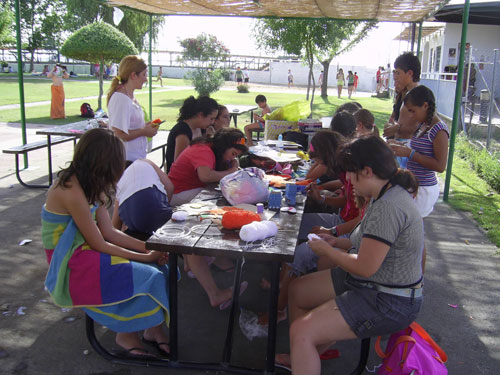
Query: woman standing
350, 83
194, 115
340, 81
126, 117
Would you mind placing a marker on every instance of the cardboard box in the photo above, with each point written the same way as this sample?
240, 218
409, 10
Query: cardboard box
310, 125
275, 127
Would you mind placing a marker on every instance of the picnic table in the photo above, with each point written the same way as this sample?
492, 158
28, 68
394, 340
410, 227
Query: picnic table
235, 110
206, 239
77, 129
269, 149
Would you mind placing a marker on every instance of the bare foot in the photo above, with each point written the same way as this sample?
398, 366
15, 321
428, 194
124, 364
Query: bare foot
264, 318
221, 296
157, 335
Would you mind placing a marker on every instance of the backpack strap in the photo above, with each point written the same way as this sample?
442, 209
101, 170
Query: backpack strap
423, 333
401, 339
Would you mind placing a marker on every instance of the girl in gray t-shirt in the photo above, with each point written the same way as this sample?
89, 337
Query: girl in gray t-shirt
376, 288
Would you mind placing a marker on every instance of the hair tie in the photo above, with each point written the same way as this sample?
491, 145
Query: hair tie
240, 141
311, 148
118, 78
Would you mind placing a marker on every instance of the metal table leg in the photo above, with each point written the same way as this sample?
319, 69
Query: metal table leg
228, 343
273, 317
172, 301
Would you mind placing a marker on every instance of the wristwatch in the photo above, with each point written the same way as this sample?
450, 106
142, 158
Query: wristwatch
334, 232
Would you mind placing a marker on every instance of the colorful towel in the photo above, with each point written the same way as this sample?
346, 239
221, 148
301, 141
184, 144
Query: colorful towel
123, 295
57, 104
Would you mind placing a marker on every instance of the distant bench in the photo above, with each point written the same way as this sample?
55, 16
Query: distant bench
24, 149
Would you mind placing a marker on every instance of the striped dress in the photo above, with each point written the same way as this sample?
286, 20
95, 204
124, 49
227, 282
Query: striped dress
424, 145
123, 295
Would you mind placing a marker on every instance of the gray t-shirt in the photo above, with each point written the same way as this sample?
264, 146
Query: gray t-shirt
394, 220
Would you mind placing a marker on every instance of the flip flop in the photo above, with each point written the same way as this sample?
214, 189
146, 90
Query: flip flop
330, 354
157, 346
228, 269
279, 363
126, 353
224, 305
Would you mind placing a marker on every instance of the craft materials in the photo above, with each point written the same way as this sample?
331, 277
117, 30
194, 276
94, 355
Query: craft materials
258, 230
239, 218
313, 236
290, 194
179, 216
274, 202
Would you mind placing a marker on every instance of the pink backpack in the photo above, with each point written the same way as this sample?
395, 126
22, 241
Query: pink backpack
411, 352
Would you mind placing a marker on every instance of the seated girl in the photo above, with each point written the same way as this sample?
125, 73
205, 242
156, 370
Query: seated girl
222, 120
365, 123
194, 116
376, 288
206, 161
95, 266
142, 197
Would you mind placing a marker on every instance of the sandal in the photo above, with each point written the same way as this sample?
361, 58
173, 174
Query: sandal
126, 353
157, 346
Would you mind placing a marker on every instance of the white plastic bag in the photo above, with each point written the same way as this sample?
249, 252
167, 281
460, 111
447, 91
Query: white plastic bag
245, 186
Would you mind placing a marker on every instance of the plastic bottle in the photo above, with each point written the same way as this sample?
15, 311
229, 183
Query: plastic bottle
280, 143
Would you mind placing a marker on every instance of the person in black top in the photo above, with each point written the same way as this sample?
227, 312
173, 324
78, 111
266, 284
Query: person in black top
194, 115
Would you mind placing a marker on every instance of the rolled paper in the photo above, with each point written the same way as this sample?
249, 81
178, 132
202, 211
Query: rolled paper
258, 230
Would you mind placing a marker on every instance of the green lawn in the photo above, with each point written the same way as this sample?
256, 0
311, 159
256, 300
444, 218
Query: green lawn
471, 194
37, 89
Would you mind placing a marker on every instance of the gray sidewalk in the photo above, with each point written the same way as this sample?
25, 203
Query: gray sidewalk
39, 338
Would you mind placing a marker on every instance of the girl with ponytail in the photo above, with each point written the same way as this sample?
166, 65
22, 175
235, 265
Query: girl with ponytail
376, 287
126, 117
428, 149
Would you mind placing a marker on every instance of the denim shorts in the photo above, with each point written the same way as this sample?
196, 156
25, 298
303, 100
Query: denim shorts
369, 312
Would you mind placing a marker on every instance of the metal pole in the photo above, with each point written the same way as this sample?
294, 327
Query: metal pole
20, 78
464, 127
492, 98
419, 42
150, 67
458, 98
413, 32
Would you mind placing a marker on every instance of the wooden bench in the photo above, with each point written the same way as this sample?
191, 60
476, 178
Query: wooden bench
24, 149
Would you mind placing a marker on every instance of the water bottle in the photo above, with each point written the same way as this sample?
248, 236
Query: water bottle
280, 143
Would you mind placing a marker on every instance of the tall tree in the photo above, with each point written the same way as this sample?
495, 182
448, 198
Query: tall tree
98, 42
41, 24
6, 22
210, 53
307, 38
135, 25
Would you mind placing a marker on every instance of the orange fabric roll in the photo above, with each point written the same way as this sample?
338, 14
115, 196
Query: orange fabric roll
236, 219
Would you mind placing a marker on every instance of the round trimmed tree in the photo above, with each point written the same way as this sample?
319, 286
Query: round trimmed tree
99, 43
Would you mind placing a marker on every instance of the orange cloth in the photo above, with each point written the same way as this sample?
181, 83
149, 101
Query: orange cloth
57, 105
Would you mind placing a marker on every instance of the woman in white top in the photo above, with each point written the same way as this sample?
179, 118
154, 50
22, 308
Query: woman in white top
142, 199
126, 117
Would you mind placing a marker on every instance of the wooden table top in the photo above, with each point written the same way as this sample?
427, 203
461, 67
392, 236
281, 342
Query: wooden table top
236, 109
205, 238
74, 129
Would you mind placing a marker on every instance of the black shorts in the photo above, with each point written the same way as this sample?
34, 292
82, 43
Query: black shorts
246, 80
239, 80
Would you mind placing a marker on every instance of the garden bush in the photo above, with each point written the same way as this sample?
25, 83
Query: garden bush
206, 81
243, 89
486, 165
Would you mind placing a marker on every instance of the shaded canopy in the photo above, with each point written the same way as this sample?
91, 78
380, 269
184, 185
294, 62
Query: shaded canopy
487, 13
380, 10
426, 30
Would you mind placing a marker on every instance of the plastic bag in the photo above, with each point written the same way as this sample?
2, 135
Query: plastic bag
245, 186
294, 111
249, 325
